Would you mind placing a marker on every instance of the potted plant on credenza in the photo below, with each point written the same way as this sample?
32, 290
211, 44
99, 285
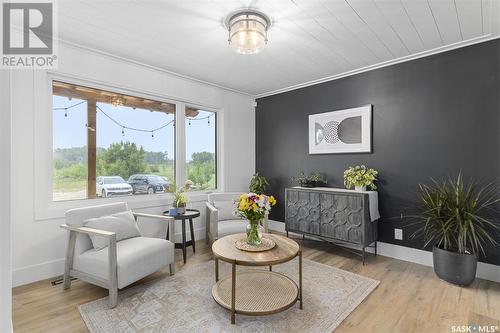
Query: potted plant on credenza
308, 181
459, 220
360, 177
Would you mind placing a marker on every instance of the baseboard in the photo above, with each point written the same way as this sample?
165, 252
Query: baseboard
54, 268
484, 271
50, 269
33, 273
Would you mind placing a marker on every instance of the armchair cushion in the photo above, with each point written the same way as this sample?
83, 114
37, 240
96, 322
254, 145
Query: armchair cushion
76, 217
225, 210
122, 224
136, 258
229, 227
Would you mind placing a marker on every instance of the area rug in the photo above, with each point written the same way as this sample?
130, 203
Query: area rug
184, 303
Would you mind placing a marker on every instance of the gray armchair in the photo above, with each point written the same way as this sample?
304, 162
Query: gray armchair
119, 263
220, 218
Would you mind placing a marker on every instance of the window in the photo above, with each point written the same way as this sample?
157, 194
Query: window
69, 176
108, 144
201, 159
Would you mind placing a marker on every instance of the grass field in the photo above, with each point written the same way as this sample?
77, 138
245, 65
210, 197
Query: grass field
70, 183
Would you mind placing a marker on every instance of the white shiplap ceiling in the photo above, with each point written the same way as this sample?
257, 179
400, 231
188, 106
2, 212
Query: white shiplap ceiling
309, 40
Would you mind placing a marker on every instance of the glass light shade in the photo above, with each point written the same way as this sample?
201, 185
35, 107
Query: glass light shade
248, 32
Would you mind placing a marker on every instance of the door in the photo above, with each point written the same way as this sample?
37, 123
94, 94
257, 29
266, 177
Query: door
303, 211
342, 217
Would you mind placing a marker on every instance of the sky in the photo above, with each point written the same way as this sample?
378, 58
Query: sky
70, 131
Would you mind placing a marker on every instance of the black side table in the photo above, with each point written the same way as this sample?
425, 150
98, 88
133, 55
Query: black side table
190, 214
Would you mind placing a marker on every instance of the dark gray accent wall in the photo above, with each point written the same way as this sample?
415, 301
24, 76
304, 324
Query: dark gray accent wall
432, 117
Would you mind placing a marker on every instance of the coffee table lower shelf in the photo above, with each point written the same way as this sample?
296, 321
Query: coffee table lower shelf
257, 293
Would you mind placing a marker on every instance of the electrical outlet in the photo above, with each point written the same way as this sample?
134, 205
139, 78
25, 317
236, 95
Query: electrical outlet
398, 234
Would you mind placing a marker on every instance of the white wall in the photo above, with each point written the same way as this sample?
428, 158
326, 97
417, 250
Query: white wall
37, 242
5, 250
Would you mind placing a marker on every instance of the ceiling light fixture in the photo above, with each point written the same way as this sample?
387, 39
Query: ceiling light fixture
247, 30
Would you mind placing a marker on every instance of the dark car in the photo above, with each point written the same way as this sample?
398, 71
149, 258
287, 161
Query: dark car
148, 184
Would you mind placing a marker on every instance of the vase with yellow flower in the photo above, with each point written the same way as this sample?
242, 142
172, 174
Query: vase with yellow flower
254, 208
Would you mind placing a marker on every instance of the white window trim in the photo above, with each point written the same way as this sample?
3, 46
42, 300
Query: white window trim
46, 208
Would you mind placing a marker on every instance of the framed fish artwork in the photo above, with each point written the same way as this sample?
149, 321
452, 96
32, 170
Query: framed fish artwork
343, 131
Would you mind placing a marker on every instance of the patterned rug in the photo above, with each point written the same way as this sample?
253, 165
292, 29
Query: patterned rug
184, 303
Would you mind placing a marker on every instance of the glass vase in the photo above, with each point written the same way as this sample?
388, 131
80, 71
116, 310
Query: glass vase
254, 233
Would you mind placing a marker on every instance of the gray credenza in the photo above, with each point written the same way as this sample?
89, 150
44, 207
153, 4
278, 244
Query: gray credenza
337, 216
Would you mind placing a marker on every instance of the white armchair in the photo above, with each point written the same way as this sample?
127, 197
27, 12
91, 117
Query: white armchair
119, 263
220, 218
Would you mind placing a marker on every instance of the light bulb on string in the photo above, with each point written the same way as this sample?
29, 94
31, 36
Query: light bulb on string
189, 122
123, 131
152, 135
66, 113
208, 120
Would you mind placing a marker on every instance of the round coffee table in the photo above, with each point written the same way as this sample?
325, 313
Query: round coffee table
256, 292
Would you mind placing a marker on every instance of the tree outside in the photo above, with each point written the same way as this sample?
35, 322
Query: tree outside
201, 171
125, 159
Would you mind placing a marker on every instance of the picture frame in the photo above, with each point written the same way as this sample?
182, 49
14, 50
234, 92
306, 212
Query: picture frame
342, 131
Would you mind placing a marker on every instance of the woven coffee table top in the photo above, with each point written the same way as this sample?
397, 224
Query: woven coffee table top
285, 250
266, 245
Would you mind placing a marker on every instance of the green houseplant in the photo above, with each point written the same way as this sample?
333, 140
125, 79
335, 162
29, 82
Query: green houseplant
360, 177
258, 184
458, 219
308, 181
180, 198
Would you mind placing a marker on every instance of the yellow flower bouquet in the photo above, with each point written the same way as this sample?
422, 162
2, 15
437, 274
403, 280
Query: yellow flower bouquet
254, 208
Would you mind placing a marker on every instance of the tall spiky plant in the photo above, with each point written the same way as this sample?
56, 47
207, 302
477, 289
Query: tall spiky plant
457, 216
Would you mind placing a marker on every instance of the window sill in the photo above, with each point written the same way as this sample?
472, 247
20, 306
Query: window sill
56, 210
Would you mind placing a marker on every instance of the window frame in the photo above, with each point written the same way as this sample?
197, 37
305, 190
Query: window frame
216, 115
45, 207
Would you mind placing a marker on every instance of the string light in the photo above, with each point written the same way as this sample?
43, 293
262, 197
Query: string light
117, 101
203, 118
127, 127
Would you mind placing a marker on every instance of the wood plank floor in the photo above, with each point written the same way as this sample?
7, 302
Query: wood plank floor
410, 298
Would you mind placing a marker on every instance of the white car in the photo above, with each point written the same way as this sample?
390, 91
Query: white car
112, 185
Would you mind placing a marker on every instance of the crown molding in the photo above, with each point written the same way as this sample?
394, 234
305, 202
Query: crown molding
441, 49
151, 67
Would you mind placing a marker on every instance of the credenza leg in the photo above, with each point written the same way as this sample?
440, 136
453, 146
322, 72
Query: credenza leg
364, 255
